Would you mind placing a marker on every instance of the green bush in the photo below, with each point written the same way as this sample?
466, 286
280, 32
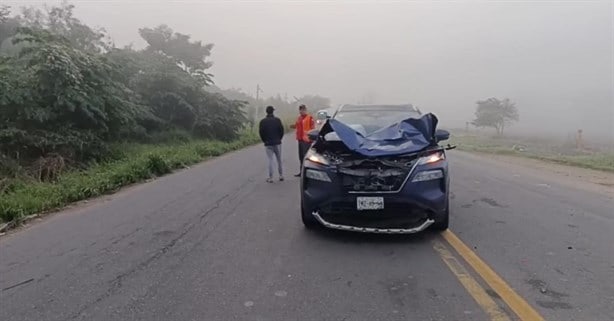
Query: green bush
171, 136
206, 150
157, 165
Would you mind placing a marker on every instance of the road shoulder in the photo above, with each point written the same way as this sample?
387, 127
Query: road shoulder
575, 177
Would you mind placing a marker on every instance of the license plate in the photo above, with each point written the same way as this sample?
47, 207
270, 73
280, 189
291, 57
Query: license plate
369, 203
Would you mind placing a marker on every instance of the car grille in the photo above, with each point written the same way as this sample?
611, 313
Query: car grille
375, 176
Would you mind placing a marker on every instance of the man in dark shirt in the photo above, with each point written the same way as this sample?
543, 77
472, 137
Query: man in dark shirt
271, 133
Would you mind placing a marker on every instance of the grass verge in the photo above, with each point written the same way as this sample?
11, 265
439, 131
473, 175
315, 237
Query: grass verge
131, 163
602, 160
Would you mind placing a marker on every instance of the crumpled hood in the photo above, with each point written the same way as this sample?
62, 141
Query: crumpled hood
408, 136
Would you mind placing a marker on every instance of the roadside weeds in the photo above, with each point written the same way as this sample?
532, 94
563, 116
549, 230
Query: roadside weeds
27, 200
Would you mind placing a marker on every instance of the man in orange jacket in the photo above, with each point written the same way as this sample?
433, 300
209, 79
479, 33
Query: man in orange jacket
304, 124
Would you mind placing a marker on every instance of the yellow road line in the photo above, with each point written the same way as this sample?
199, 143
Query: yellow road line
471, 285
522, 309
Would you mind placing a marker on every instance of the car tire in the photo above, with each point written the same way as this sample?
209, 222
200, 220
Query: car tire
443, 223
309, 221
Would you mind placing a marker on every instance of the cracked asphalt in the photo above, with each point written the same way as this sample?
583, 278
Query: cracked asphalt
215, 242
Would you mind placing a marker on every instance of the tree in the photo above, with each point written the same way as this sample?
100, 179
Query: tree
59, 98
8, 28
495, 113
190, 56
368, 98
61, 21
4, 13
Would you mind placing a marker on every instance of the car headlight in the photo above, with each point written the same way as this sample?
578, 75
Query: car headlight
313, 156
317, 175
432, 158
428, 175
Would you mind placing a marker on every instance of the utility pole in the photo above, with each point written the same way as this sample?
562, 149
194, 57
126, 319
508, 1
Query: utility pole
258, 107
579, 140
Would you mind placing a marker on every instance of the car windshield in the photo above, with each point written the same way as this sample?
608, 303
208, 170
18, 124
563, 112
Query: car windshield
367, 121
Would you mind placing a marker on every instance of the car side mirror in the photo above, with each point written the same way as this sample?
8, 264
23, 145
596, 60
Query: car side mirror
313, 135
442, 135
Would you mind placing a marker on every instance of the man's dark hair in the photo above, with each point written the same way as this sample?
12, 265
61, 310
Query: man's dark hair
269, 110
302, 107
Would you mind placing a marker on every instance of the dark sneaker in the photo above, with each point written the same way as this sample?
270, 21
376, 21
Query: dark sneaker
269, 180
281, 178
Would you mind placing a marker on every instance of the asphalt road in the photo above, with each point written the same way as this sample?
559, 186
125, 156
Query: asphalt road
216, 242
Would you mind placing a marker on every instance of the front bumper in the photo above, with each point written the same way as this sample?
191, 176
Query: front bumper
351, 228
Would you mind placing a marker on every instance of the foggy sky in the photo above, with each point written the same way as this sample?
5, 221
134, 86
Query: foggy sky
554, 58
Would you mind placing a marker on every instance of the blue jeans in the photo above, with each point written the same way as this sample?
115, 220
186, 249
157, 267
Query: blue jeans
274, 150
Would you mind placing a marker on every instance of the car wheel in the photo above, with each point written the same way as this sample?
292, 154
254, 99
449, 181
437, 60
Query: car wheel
444, 221
309, 221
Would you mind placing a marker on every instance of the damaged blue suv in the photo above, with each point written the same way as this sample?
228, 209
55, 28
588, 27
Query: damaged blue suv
377, 169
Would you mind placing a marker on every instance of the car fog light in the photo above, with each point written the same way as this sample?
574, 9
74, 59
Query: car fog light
317, 175
428, 175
